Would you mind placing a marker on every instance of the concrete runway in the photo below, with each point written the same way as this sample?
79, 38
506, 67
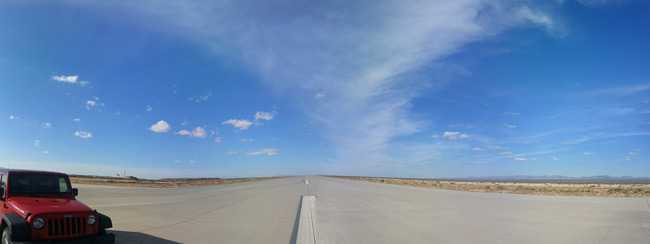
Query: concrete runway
345, 211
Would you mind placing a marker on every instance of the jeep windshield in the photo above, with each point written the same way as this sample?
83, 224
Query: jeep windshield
29, 183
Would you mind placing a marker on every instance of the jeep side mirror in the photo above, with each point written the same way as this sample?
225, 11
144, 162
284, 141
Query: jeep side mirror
75, 191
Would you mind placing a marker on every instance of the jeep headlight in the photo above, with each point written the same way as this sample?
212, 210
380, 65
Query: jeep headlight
38, 223
91, 219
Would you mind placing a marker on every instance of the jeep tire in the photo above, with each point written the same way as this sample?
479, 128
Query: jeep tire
6, 235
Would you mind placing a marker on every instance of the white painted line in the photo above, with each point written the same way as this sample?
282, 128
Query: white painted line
306, 233
306, 182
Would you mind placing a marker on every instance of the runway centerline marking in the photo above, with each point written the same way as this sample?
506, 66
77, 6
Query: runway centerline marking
306, 232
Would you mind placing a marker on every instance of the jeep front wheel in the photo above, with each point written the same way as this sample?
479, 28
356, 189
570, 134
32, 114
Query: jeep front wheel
6, 236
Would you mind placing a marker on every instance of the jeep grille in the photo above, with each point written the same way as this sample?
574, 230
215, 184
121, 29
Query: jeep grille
70, 226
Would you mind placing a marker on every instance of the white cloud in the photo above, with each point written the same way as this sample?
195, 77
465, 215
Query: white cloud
505, 153
36, 143
76, 120
453, 135
239, 124
263, 116
160, 127
46, 152
68, 79
509, 126
460, 125
621, 90
497, 147
588, 153
192, 161
13, 117
477, 149
46, 125
627, 158
197, 132
202, 97
83, 134
511, 113
597, 3
185, 122
538, 18
149, 108
231, 152
177, 161
320, 95
218, 139
555, 158
90, 104
94, 102
520, 159
436, 135
72, 79
267, 151
631, 153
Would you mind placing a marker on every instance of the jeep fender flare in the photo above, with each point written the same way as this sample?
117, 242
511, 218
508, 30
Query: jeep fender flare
105, 222
19, 226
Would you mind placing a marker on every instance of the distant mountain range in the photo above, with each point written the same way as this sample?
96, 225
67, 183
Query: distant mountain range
558, 178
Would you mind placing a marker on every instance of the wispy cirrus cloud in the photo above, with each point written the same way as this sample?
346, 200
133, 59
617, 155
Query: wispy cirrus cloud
200, 98
453, 135
267, 151
509, 126
510, 113
620, 90
364, 56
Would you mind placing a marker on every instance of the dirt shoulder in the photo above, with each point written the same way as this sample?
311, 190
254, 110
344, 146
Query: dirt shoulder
536, 188
162, 183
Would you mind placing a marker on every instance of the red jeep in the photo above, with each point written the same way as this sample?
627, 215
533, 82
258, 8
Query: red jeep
41, 207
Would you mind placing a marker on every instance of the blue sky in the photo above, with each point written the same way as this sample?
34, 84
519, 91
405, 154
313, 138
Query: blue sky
381, 88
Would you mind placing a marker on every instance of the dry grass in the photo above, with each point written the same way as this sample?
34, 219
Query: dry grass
537, 188
162, 183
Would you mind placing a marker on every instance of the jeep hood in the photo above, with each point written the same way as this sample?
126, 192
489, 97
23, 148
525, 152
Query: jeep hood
38, 205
